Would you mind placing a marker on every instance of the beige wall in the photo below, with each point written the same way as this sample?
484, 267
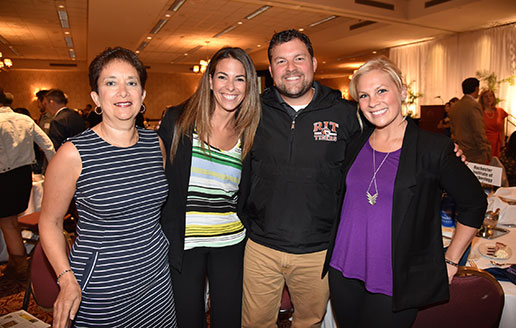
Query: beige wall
162, 89
341, 84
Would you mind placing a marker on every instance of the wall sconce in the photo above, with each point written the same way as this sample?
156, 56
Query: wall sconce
5, 63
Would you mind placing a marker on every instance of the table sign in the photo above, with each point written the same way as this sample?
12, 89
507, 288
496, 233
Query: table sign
488, 174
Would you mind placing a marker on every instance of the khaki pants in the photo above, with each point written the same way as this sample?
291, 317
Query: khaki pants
267, 270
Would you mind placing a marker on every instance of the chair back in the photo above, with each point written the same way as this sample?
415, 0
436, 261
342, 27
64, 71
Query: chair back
43, 278
476, 300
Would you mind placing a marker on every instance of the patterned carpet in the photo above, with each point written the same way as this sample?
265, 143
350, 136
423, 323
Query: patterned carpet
11, 298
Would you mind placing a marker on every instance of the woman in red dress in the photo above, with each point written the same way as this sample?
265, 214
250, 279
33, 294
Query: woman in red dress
494, 119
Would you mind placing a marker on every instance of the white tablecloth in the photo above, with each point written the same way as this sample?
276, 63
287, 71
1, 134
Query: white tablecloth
36, 195
509, 310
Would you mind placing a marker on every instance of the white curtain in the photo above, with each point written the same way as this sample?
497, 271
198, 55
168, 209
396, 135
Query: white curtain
438, 67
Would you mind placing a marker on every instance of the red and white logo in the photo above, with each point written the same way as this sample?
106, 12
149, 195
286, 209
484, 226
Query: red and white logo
326, 131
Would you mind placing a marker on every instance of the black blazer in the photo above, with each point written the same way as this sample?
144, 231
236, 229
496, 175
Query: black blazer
178, 177
65, 124
427, 166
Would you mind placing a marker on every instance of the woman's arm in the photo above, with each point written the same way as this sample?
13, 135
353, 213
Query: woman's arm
461, 239
44, 142
464, 187
60, 179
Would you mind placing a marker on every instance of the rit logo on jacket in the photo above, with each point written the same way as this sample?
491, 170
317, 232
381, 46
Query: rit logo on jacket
325, 131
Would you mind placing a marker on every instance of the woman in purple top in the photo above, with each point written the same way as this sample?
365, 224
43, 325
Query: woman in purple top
386, 259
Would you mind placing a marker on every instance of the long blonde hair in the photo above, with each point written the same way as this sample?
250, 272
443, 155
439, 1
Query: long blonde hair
198, 110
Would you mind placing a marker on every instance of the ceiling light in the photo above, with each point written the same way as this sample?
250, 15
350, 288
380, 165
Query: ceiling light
240, 23
67, 33
149, 38
176, 5
301, 29
228, 29
60, 6
374, 51
71, 52
63, 18
5, 63
167, 15
137, 51
159, 25
329, 18
142, 45
259, 45
258, 12
69, 41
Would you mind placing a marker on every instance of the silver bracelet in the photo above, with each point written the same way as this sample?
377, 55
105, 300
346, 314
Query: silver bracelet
450, 262
61, 274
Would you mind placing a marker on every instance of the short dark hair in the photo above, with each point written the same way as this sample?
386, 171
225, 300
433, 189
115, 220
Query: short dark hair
57, 96
41, 94
469, 85
9, 98
286, 36
110, 54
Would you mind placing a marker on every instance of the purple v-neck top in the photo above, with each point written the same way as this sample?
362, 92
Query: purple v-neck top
363, 247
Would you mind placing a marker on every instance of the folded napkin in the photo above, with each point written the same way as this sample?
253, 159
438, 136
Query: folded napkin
507, 274
501, 200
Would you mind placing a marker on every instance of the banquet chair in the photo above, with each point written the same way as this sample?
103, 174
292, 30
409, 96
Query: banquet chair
30, 222
42, 281
476, 300
286, 307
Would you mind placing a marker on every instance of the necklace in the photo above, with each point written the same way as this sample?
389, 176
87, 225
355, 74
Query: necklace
371, 199
492, 114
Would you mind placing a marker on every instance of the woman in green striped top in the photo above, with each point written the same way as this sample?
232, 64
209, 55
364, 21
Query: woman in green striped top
207, 139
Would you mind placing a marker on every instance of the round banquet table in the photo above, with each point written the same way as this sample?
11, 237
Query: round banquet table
508, 319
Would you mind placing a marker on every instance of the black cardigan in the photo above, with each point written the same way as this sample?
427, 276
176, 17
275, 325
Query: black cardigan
178, 177
427, 166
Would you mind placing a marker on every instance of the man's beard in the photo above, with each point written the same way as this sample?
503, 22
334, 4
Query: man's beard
305, 87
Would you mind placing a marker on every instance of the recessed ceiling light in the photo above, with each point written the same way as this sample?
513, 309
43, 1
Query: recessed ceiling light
60, 6
374, 51
67, 32
186, 53
137, 51
258, 12
324, 62
240, 23
167, 15
149, 37
301, 29
258, 45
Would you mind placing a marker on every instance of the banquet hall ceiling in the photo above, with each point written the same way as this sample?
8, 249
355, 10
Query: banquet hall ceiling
34, 34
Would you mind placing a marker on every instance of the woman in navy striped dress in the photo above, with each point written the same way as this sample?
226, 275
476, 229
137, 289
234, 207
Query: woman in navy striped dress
117, 274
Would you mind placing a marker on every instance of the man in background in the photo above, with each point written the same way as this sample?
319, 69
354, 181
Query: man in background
467, 124
66, 122
45, 117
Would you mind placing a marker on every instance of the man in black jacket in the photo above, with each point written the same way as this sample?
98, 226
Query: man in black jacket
294, 180
66, 122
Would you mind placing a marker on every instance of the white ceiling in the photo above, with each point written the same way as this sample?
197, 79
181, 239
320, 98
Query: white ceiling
31, 33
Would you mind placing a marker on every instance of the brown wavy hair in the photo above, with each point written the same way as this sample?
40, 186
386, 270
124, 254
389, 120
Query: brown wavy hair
198, 110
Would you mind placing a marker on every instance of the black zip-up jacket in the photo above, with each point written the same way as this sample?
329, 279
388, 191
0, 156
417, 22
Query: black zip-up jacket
296, 171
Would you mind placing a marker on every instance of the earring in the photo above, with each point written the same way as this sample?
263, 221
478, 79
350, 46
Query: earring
143, 109
98, 110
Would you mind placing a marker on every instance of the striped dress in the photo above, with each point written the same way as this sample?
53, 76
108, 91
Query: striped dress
211, 219
120, 255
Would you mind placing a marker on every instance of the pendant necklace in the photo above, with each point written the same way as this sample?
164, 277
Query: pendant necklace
371, 199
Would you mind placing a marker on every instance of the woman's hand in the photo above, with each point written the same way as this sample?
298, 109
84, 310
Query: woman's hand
67, 302
452, 271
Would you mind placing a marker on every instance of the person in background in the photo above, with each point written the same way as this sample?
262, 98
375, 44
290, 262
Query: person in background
467, 124
117, 273
207, 138
18, 133
494, 121
22, 110
45, 117
66, 122
508, 159
386, 256
445, 122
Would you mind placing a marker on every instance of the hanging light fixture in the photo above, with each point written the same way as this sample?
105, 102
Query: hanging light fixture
5, 63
